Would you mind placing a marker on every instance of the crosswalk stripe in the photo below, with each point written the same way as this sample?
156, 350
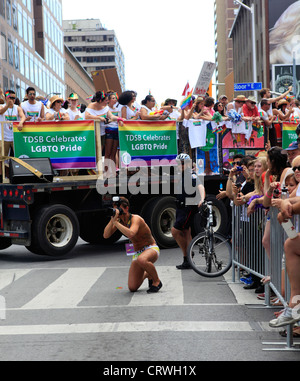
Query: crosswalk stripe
8, 276
154, 326
67, 291
172, 280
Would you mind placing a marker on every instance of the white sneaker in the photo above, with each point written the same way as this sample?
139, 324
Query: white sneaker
286, 318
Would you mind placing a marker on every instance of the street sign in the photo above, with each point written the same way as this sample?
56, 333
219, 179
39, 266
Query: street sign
248, 86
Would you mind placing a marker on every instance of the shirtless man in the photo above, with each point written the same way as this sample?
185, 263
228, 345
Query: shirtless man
145, 247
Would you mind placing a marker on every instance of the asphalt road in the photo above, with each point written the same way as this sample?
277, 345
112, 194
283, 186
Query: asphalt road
78, 308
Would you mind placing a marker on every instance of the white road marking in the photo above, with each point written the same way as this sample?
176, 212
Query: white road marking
161, 326
167, 296
67, 291
8, 276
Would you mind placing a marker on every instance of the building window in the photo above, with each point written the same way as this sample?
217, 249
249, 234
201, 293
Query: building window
25, 27
3, 47
17, 65
8, 11
10, 52
2, 8
22, 62
15, 17
5, 83
20, 23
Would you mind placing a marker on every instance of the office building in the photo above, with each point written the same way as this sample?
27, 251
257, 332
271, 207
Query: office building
224, 15
32, 48
77, 79
241, 34
95, 47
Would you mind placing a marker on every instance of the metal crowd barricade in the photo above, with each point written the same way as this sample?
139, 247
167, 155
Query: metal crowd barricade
247, 249
249, 254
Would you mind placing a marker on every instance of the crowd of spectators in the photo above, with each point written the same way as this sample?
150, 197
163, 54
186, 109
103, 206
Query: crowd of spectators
258, 182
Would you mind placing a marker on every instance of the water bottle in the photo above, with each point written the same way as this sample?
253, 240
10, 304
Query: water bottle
284, 193
290, 230
221, 187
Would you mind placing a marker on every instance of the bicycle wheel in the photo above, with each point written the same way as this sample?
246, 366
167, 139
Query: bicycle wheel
210, 265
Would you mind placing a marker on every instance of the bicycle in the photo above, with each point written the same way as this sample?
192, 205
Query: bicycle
209, 253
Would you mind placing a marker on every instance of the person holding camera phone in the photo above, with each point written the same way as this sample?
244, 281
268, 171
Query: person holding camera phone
146, 251
235, 175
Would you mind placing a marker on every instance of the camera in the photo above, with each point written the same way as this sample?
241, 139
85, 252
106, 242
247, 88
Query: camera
111, 212
239, 169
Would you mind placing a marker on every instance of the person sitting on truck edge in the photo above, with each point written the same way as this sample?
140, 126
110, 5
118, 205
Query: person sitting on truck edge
185, 213
145, 247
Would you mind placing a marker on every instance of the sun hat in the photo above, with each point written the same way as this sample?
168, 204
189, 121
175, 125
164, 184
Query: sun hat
240, 98
54, 99
251, 99
283, 102
73, 96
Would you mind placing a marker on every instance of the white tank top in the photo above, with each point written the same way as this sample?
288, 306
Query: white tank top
103, 112
147, 109
32, 110
130, 113
11, 115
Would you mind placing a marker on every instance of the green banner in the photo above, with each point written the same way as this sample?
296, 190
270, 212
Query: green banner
144, 142
288, 134
67, 144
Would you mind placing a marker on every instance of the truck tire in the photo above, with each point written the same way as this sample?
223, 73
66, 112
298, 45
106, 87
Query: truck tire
92, 227
5, 243
160, 215
55, 231
221, 216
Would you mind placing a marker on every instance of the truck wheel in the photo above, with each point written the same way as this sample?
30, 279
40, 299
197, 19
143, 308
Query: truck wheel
92, 227
221, 216
160, 215
5, 243
55, 231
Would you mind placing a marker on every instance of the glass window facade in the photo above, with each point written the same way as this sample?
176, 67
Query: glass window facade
23, 37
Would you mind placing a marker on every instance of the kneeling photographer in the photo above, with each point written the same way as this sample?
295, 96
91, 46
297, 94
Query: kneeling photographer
185, 213
145, 251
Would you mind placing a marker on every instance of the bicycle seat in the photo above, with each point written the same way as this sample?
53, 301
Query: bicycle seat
209, 203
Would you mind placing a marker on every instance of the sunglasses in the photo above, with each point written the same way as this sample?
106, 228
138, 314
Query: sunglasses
237, 163
294, 168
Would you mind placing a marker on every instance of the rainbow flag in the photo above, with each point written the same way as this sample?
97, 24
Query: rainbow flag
157, 112
187, 101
